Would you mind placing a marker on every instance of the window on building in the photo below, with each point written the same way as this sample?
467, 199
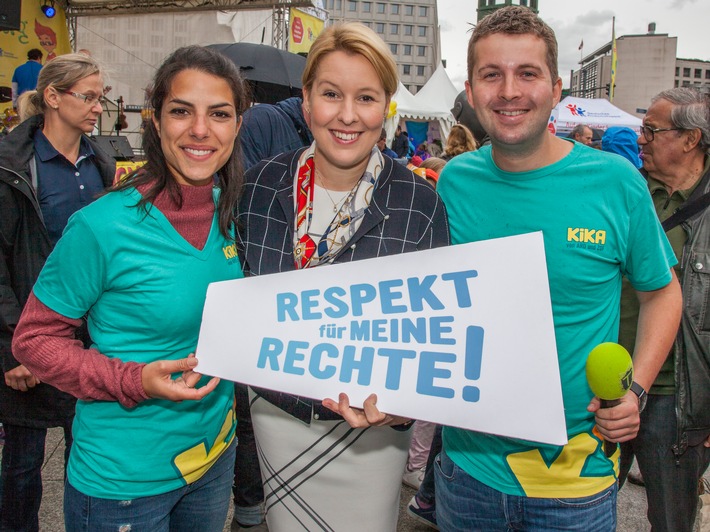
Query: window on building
394, 9
338, 5
393, 49
407, 49
419, 87
422, 31
686, 72
380, 7
133, 40
394, 29
380, 27
677, 71
686, 83
423, 11
707, 74
368, 24
409, 10
406, 70
698, 73
352, 5
408, 29
420, 70
366, 7
676, 83
421, 51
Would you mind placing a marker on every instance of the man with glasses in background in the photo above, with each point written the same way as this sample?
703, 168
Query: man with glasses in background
673, 444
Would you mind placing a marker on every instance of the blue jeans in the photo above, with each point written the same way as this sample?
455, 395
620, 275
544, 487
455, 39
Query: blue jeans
466, 505
21, 477
671, 482
198, 507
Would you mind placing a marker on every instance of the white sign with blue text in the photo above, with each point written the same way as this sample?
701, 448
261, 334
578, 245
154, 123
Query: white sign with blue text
460, 336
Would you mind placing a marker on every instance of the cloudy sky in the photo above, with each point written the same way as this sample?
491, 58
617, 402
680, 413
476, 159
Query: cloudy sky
575, 20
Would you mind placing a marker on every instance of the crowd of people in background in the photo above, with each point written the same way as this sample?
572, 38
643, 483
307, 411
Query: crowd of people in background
102, 286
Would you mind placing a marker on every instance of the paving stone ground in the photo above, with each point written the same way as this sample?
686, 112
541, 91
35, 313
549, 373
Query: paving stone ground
631, 501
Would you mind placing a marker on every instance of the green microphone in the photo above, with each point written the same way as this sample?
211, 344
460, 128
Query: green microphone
610, 373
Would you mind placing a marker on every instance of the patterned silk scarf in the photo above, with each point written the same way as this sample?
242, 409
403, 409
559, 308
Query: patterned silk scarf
306, 251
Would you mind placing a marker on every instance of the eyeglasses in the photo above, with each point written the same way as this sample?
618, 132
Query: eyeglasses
649, 133
89, 99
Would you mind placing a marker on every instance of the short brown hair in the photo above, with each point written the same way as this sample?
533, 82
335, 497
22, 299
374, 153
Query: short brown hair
353, 38
515, 20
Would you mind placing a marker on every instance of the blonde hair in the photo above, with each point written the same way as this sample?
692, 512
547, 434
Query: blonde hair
357, 39
433, 163
25, 107
63, 73
460, 140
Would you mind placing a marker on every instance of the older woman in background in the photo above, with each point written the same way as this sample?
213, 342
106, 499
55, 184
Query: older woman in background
153, 439
338, 200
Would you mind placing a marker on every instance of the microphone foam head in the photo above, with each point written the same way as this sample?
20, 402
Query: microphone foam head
610, 371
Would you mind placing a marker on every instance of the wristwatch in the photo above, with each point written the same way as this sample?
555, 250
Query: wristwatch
641, 394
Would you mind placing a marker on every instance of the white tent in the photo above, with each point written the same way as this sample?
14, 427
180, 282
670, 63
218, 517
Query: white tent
439, 92
416, 110
597, 113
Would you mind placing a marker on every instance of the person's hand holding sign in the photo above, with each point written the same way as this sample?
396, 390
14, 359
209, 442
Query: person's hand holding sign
367, 416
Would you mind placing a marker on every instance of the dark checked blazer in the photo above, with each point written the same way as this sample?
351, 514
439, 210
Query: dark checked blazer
405, 214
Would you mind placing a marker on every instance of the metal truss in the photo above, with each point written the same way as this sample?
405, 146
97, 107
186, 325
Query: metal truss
80, 8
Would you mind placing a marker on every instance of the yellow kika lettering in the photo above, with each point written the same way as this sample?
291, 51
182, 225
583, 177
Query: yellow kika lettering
589, 236
563, 477
230, 251
196, 461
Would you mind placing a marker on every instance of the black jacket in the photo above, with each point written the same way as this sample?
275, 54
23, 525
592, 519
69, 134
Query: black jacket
405, 214
692, 345
24, 247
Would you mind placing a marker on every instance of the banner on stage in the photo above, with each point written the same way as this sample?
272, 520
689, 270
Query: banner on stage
461, 336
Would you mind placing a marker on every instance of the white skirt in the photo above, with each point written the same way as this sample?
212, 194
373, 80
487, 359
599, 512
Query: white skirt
327, 475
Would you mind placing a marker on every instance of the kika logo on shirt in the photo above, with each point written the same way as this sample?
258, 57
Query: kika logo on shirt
582, 237
230, 251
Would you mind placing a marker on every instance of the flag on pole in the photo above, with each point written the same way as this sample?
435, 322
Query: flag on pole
581, 45
613, 59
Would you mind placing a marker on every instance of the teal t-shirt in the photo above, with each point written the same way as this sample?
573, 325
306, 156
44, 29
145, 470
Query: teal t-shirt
143, 287
598, 223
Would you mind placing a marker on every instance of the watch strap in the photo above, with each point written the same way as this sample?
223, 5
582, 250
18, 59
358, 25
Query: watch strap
638, 389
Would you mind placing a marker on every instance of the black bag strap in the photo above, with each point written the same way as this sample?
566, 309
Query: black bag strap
693, 205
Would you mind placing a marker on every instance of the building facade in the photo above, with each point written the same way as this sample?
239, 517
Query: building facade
409, 27
486, 7
646, 65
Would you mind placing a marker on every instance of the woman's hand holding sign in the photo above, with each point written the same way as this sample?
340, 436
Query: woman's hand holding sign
367, 416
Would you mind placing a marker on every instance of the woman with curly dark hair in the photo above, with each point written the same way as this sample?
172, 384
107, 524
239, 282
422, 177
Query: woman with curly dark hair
153, 440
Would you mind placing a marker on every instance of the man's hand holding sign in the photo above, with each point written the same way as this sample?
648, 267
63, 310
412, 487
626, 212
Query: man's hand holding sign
460, 336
